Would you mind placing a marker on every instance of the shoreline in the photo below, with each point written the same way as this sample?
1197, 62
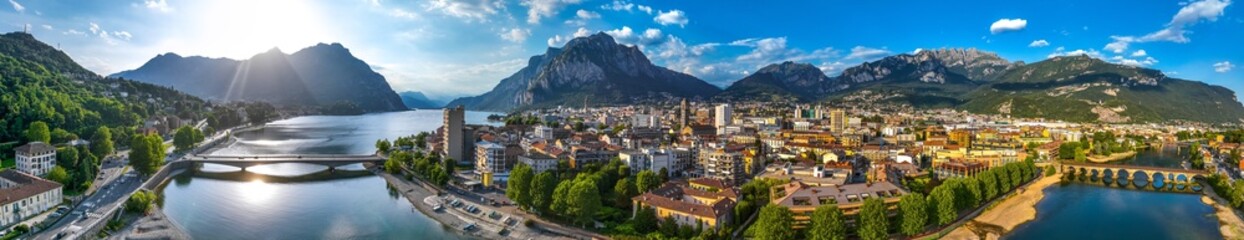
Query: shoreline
451, 221
1005, 216
1112, 157
1230, 225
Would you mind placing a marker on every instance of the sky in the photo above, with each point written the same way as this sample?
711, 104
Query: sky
455, 48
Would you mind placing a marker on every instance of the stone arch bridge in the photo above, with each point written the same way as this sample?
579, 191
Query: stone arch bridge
1128, 172
245, 161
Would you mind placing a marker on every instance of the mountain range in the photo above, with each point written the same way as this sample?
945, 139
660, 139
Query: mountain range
416, 100
323, 75
588, 70
597, 70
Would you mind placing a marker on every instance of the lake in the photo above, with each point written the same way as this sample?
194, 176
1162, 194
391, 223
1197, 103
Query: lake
305, 201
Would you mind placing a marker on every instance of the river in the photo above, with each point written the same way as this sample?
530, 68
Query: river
1080, 210
304, 201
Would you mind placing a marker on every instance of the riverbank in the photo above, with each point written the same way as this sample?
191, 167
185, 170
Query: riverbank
154, 226
451, 218
1008, 214
1229, 221
1112, 157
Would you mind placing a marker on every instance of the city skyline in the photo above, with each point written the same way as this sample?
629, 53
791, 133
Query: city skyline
449, 49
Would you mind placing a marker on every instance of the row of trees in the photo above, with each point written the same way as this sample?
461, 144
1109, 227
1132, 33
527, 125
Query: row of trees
75, 167
915, 211
427, 166
419, 141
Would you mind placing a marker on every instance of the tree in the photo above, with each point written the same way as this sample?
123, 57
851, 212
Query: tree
827, 223
1017, 175
38, 132
392, 166
146, 153
1080, 155
184, 139
913, 213
623, 191
669, 226
542, 191
101, 142
872, 223
67, 156
942, 201
647, 180
58, 174
584, 201
973, 187
561, 197
645, 220
519, 184
141, 201
774, 223
383, 145
989, 184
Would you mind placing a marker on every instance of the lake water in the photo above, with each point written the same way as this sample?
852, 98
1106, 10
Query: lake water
1079, 210
304, 201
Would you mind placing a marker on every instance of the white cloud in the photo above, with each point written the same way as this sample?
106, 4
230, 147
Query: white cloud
1140, 53
581, 17
672, 17
17, 6
517, 35
1006, 25
629, 36
95, 28
537, 9
478, 10
47, 27
123, 35
1175, 31
645, 9
618, 5
585, 14
1119, 44
559, 40
866, 53
74, 32
1039, 43
1224, 66
1147, 61
765, 49
1078, 52
158, 5
403, 14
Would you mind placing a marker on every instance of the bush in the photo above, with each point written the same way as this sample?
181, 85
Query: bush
1049, 170
141, 201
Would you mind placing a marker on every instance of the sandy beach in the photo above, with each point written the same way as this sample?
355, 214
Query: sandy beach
1008, 214
1229, 223
154, 226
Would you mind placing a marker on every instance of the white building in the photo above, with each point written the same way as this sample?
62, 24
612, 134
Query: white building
539, 162
648, 159
542, 131
723, 116
35, 158
23, 195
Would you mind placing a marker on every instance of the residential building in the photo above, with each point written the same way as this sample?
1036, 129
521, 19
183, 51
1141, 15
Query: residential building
35, 158
538, 161
724, 163
688, 205
837, 120
454, 121
647, 159
802, 199
723, 116
23, 195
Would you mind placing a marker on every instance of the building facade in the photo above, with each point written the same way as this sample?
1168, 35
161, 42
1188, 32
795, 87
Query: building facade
454, 121
23, 195
35, 158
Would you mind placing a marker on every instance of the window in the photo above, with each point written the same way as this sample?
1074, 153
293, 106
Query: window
825, 200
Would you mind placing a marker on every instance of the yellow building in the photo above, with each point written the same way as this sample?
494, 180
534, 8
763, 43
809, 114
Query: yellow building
703, 202
802, 199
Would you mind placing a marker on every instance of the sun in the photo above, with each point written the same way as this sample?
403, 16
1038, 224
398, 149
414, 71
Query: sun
243, 28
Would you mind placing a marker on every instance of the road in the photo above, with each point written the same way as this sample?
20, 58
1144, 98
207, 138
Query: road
113, 188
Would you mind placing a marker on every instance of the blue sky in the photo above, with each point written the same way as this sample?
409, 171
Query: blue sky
452, 48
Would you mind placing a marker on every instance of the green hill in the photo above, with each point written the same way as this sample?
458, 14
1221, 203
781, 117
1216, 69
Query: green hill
40, 83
